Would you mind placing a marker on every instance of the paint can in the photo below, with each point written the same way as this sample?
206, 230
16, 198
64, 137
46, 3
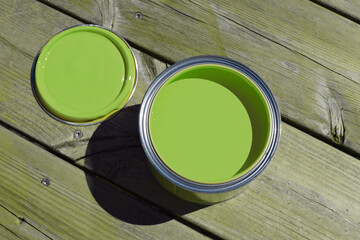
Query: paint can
209, 125
84, 75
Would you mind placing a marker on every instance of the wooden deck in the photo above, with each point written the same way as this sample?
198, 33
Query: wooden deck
54, 186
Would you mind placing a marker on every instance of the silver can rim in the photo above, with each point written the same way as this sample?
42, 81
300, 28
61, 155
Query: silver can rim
174, 178
33, 87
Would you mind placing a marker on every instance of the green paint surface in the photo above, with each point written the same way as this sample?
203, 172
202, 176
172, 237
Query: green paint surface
201, 125
84, 74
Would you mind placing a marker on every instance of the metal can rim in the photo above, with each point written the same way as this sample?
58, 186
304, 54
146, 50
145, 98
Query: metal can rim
195, 186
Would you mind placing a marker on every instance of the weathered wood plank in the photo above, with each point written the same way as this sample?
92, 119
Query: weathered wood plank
91, 11
66, 208
6, 234
18, 228
291, 44
26, 26
280, 207
309, 190
347, 8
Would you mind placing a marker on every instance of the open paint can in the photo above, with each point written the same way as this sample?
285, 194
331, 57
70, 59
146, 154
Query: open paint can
209, 125
84, 74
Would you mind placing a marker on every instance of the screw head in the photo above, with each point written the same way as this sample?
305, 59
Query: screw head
78, 134
138, 15
45, 182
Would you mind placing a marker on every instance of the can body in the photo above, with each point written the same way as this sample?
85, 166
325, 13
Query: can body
194, 196
185, 183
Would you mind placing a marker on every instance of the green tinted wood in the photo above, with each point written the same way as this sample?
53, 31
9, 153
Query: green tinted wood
6, 234
18, 50
306, 191
282, 203
347, 8
17, 226
312, 71
66, 209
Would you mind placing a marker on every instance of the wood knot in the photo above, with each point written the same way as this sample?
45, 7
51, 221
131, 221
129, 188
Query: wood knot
337, 129
107, 11
21, 220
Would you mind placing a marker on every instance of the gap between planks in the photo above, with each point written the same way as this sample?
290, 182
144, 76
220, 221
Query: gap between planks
31, 201
338, 10
19, 226
285, 119
129, 193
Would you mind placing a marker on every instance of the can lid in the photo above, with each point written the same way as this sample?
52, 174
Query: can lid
84, 74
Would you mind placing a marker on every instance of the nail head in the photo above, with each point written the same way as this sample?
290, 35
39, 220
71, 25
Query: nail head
78, 134
138, 15
45, 182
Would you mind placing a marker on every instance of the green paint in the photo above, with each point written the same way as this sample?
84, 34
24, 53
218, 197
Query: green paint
209, 123
84, 74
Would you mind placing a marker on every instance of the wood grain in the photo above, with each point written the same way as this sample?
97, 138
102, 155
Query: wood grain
6, 234
26, 26
310, 190
348, 8
13, 227
292, 45
66, 208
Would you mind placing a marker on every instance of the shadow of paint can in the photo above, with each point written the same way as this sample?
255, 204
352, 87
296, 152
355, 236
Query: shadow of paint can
84, 74
209, 125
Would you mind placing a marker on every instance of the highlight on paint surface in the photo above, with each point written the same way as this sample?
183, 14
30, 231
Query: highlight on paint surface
84, 74
209, 123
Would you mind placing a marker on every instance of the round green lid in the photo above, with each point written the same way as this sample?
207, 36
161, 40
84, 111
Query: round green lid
84, 74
